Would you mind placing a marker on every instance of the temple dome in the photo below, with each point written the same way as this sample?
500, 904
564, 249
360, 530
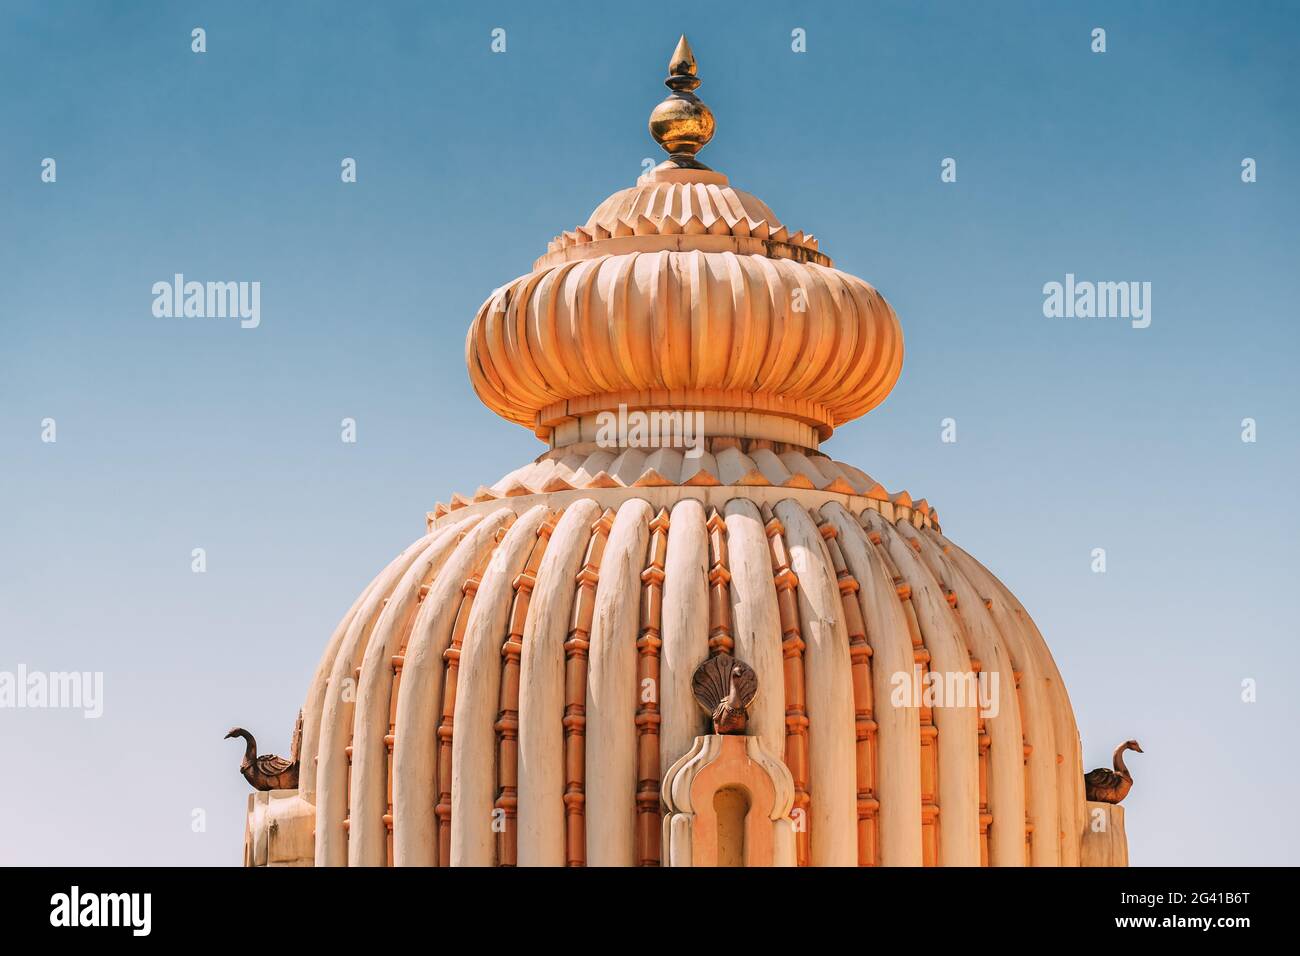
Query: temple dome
687, 320
683, 292
497, 667
516, 686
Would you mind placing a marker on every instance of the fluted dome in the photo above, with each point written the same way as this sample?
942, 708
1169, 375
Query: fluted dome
516, 687
684, 327
674, 202
684, 292
677, 202
497, 666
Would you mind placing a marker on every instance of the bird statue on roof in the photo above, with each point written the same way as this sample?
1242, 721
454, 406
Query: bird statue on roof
1111, 786
268, 771
724, 687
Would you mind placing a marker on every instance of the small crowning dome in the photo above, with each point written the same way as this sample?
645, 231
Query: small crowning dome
562, 667
685, 292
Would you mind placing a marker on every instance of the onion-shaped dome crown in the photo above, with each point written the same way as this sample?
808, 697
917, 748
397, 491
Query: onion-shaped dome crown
684, 292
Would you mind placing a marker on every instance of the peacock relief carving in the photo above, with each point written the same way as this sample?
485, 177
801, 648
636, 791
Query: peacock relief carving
724, 687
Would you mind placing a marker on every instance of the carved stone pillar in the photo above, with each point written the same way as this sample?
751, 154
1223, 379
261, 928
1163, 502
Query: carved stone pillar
279, 829
1104, 841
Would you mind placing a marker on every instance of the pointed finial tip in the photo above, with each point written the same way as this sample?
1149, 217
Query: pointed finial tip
682, 124
682, 62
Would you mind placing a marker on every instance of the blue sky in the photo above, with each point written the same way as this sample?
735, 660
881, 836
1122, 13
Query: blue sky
1072, 434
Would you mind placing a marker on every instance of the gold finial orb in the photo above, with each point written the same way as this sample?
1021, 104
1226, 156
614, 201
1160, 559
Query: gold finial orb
682, 124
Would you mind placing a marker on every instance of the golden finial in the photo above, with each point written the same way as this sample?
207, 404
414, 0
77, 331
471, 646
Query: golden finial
682, 124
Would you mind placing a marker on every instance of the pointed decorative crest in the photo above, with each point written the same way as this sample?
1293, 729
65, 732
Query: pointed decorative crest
682, 124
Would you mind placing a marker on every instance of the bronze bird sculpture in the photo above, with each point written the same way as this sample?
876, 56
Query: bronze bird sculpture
724, 687
269, 772
1111, 786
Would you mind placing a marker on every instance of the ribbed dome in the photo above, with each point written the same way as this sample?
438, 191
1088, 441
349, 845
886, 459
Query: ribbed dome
496, 666
516, 686
679, 202
675, 206
693, 329
748, 463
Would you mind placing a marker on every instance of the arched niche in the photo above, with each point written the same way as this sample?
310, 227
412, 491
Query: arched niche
729, 804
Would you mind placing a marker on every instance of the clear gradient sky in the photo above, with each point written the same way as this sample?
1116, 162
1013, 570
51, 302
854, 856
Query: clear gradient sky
1073, 434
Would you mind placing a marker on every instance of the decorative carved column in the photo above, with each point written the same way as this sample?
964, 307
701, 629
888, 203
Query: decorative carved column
575, 692
1026, 749
390, 738
985, 741
507, 724
864, 719
792, 648
720, 636
647, 715
452, 658
929, 732
347, 751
